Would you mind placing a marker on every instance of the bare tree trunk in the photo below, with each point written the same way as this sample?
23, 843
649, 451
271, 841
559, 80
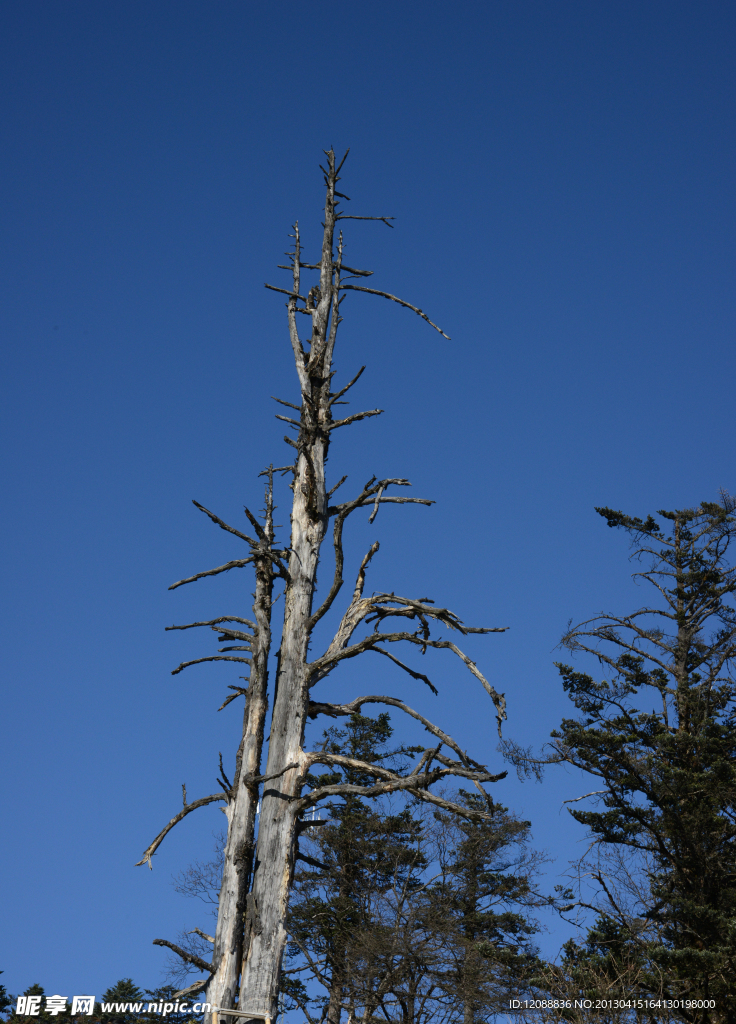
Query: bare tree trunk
223, 987
277, 828
288, 763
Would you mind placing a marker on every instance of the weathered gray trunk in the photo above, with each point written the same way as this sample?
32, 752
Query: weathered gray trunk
238, 859
223, 988
276, 848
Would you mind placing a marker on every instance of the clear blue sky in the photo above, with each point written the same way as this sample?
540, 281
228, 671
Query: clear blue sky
562, 178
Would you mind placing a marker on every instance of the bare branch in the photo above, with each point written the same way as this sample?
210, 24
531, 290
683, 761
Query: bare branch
343, 266
575, 799
216, 657
371, 493
197, 986
289, 404
394, 298
343, 710
338, 650
149, 852
224, 526
233, 634
349, 419
347, 216
347, 387
412, 673
339, 483
197, 931
376, 503
249, 779
213, 622
414, 779
311, 861
238, 563
239, 691
190, 958
416, 785
356, 272
285, 291
300, 357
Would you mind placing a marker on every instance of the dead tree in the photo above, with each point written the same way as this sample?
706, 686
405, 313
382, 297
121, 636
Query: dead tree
251, 930
240, 796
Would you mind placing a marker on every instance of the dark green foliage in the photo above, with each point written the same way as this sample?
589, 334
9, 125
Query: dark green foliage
124, 991
357, 856
659, 734
412, 916
6, 1000
479, 909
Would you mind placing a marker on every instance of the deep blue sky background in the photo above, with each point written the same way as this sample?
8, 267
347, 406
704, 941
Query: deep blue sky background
562, 178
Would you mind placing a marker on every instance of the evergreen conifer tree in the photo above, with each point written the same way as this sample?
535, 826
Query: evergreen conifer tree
659, 736
364, 850
410, 916
122, 992
5, 999
479, 908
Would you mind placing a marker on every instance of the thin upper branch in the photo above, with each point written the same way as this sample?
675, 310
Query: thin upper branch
237, 563
348, 216
415, 675
285, 291
339, 394
216, 657
372, 493
213, 622
149, 852
196, 986
350, 419
224, 526
338, 652
394, 298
